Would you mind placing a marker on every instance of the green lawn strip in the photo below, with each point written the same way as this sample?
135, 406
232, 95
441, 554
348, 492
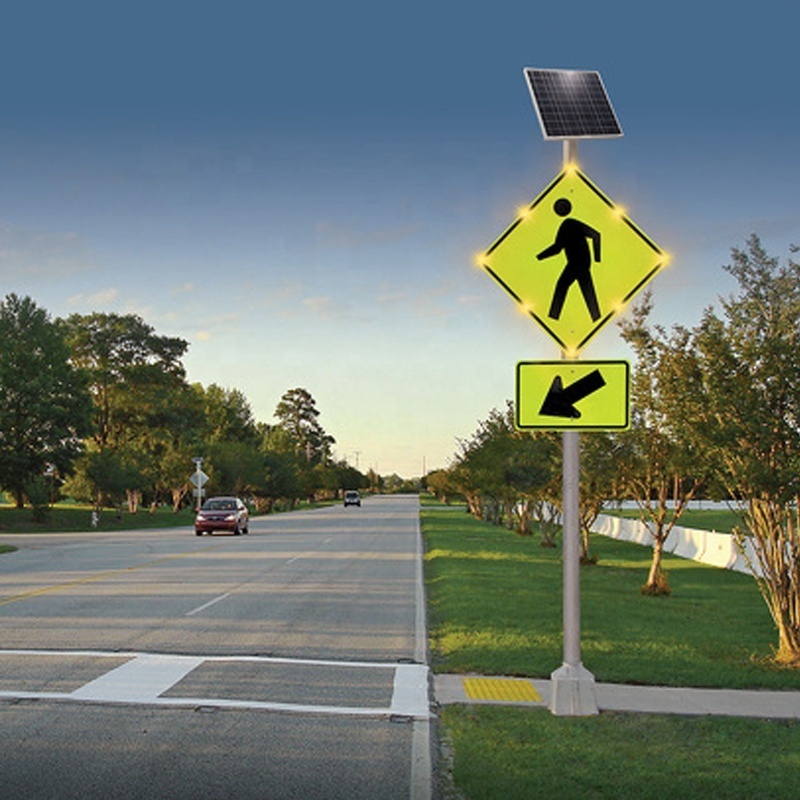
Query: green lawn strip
494, 602
704, 519
495, 608
519, 754
76, 517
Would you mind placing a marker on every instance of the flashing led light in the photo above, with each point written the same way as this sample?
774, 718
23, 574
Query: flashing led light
618, 212
478, 259
667, 257
571, 167
525, 308
571, 353
523, 212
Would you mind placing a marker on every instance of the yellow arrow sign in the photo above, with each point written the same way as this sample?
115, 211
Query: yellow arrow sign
573, 395
572, 260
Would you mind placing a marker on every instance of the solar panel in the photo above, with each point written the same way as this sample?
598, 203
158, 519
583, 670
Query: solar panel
572, 104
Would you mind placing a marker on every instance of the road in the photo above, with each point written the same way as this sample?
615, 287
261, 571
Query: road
288, 663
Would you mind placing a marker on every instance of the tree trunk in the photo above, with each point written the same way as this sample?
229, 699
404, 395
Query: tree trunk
134, 497
776, 541
657, 579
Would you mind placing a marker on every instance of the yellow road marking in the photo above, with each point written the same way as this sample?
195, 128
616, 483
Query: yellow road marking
508, 689
98, 577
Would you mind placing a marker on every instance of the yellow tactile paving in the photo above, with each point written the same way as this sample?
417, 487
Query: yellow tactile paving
507, 689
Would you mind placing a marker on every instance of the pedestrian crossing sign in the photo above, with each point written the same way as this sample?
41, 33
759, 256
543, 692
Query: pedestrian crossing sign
572, 260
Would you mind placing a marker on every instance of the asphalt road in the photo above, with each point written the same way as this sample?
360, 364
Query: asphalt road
288, 663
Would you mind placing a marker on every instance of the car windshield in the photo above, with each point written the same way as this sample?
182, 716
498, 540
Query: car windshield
219, 505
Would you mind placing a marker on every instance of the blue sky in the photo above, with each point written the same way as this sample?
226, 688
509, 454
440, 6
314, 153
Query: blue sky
300, 192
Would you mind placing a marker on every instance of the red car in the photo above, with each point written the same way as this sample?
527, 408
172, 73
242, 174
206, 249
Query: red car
222, 514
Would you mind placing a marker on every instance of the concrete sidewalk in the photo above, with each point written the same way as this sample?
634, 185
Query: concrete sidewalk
763, 704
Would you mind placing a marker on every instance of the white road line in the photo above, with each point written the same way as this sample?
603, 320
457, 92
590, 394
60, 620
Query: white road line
421, 761
421, 758
207, 605
420, 618
410, 691
140, 680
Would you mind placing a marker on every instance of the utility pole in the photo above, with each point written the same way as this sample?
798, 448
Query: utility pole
571, 685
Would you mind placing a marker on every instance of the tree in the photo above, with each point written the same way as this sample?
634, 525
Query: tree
533, 470
662, 469
599, 483
103, 477
298, 417
281, 481
441, 485
479, 467
44, 403
228, 416
143, 408
131, 371
746, 381
235, 467
509, 476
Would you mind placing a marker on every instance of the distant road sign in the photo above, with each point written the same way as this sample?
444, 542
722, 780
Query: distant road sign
199, 479
573, 395
572, 260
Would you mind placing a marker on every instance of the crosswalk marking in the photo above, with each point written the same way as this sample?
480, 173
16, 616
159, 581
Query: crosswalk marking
145, 678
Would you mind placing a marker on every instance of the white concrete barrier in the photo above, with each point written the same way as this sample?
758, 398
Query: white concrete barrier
707, 547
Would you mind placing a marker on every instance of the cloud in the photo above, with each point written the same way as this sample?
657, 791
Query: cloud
44, 254
321, 305
434, 302
98, 299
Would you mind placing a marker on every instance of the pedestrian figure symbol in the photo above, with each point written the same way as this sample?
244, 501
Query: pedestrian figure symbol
573, 239
569, 291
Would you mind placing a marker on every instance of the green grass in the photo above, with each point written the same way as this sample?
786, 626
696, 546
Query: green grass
518, 754
71, 517
75, 517
711, 519
494, 605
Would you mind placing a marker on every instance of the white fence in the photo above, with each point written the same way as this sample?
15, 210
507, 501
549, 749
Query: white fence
708, 547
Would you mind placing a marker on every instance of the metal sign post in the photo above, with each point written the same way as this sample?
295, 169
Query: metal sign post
572, 685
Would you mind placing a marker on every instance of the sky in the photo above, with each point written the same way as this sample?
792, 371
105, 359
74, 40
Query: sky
301, 191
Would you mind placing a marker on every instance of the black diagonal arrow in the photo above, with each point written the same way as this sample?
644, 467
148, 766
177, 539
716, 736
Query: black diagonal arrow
560, 400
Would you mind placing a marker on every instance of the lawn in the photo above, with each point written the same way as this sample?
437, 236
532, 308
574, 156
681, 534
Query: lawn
75, 517
519, 754
704, 519
494, 607
70, 517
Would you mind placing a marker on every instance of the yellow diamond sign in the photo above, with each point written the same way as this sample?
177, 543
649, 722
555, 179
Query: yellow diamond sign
572, 260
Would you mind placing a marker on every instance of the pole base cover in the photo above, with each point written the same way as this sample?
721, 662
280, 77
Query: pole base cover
572, 692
